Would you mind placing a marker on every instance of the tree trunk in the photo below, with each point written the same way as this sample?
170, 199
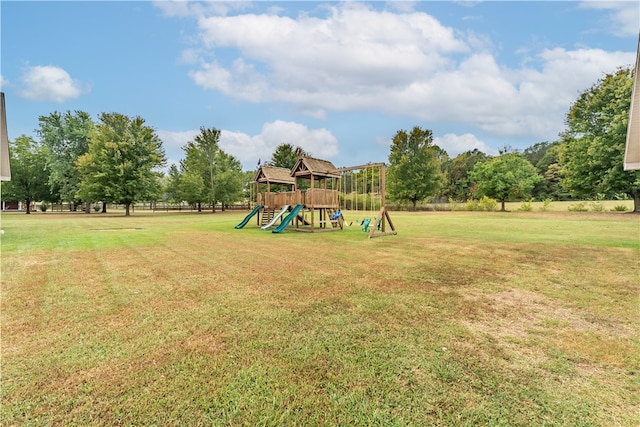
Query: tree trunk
28, 206
104, 207
199, 206
502, 208
88, 207
636, 201
126, 208
415, 204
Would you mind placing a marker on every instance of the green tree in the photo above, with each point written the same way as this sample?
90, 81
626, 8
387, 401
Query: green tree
193, 189
415, 170
172, 187
286, 156
594, 142
229, 179
201, 157
121, 163
536, 153
28, 172
539, 155
67, 138
550, 168
458, 170
221, 173
506, 177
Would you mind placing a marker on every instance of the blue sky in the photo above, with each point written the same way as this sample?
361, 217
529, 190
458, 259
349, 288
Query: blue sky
337, 78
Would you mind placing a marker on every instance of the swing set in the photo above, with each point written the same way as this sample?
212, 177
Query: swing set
363, 196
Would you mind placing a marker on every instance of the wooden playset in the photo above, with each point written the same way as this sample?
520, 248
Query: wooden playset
311, 197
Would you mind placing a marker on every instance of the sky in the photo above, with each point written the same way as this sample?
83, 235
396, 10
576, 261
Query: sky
338, 79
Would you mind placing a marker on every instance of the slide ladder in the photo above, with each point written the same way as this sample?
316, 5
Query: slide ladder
296, 210
248, 217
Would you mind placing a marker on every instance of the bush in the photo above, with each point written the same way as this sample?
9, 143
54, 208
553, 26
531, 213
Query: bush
619, 208
578, 207
472, 205
546, 205
44, 206
487, 204
597, 206
526, 207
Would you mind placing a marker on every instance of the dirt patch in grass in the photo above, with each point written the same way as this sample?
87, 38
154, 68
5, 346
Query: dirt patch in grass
515, 312
528, 324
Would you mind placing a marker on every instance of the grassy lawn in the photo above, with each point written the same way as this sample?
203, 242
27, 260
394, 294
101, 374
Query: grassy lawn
463, 318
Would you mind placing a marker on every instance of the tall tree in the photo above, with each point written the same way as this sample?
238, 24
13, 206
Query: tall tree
229, 179
28, 172
414, 171
594, 141
221, 173
507, 177
536, 153
201, 156
121, 163
286, 156
459, 168
67, 138
193, 189
172, 186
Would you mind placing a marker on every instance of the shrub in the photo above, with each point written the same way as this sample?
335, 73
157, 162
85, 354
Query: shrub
546, 205
597, 206
526, 207
44, 206
619, 208
487, 204
578, 207
472, 205
453, 205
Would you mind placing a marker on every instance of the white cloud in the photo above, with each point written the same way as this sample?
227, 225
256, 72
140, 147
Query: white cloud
3, 82
357, 58
174, 141
183, 8
249, 149
401, 5
455, 144
335, 63
50, 83
624, 16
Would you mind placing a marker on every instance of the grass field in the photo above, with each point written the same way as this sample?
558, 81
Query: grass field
463, 318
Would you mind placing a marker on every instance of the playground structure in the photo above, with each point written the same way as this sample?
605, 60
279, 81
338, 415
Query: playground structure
310, 198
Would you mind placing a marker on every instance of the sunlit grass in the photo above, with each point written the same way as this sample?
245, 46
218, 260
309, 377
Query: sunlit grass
463, 318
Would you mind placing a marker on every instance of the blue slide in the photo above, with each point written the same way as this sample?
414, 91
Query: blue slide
246, 220
288, 219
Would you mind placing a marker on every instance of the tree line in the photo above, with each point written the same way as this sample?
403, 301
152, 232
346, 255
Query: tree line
586, 162
118, 159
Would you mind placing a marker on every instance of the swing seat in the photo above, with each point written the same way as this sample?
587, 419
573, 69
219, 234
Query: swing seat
365, 225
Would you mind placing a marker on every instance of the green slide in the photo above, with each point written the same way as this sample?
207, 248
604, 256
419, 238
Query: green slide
288, 219
246, 220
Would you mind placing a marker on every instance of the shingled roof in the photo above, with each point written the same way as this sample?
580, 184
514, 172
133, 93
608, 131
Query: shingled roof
307, 166
274, 175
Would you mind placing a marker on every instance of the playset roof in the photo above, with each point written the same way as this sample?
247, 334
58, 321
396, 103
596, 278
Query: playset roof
308, 166
274, 175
